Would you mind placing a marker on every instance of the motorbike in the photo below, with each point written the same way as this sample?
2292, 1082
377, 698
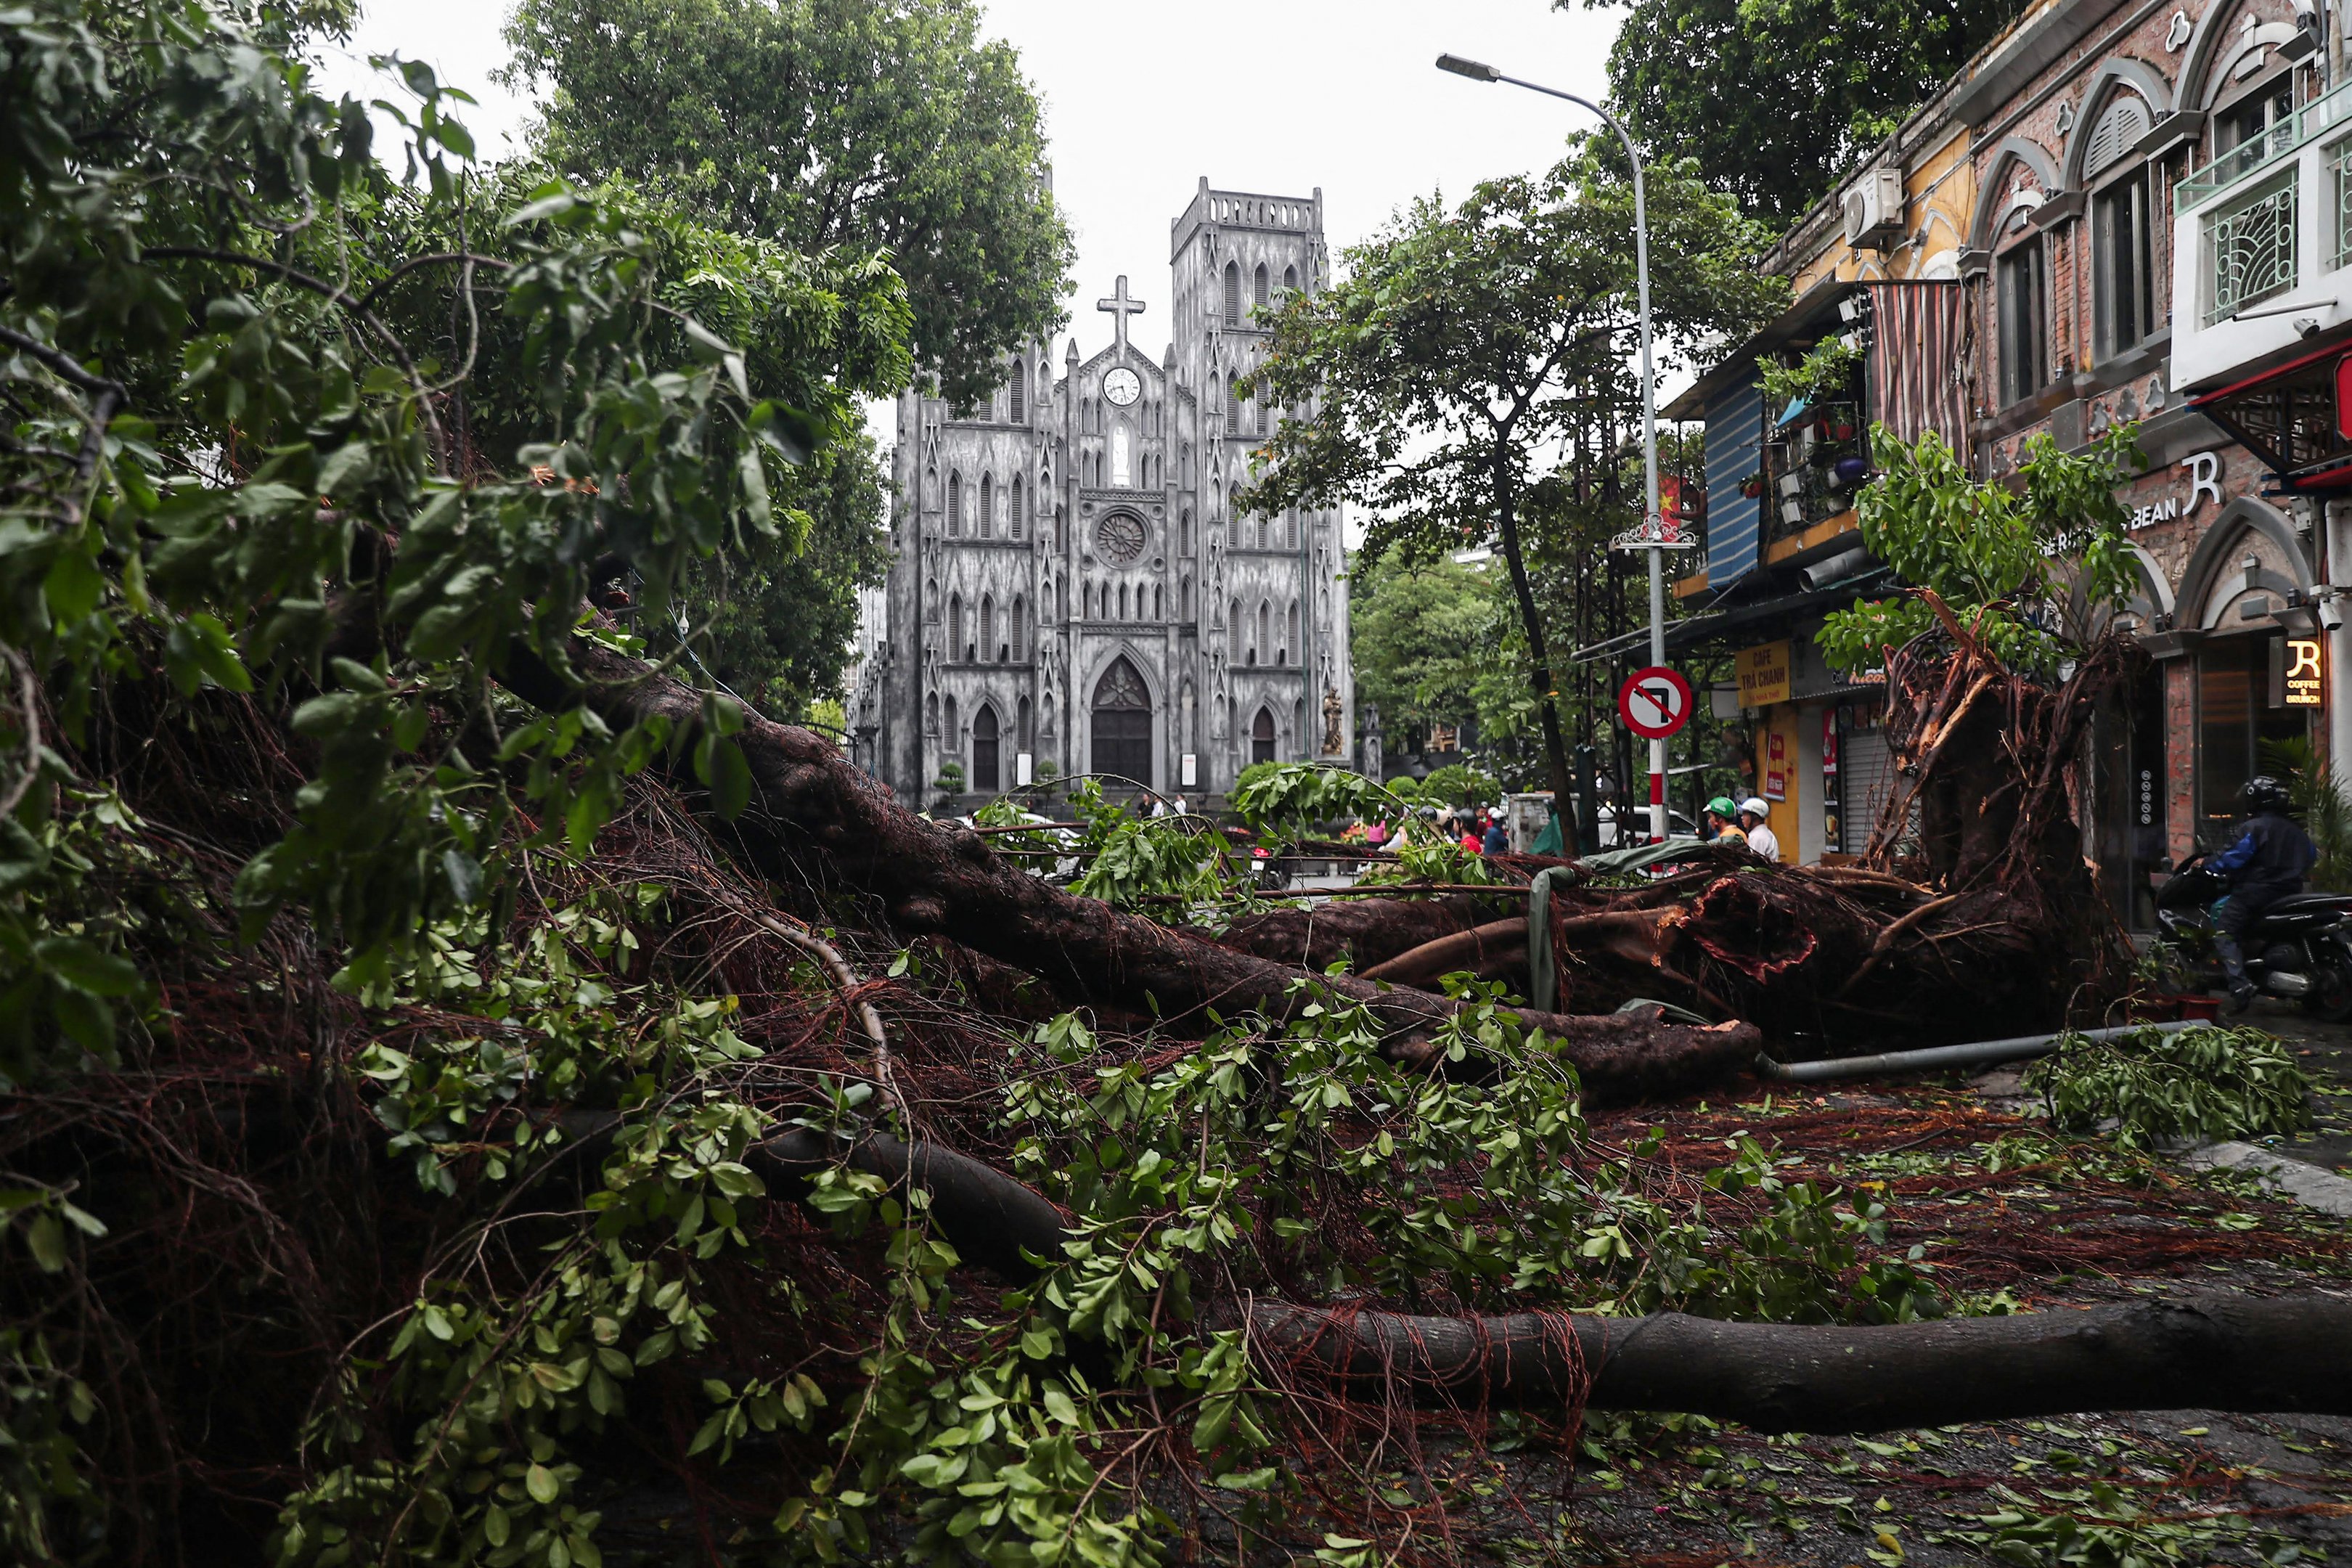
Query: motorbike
2300, 948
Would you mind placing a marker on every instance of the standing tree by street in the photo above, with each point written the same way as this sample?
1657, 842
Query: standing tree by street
1776, 97
1467, 347
818, 124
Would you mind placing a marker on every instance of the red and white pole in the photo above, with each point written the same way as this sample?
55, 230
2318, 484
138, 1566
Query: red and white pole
1657, 777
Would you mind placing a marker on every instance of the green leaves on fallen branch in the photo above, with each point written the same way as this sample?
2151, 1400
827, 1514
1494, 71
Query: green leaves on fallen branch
2157, 1086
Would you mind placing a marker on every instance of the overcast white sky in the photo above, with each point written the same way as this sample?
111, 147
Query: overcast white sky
1277, 97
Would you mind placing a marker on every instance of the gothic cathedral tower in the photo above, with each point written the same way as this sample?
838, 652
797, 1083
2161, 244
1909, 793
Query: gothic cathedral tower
1072, 590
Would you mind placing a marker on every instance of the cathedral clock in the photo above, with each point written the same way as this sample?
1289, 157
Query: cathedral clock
1121, 386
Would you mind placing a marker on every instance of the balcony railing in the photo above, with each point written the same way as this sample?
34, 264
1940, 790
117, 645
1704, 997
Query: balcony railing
2339, 180
2252, 247
2249, 158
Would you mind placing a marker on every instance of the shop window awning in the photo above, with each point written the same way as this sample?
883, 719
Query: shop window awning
2294, 417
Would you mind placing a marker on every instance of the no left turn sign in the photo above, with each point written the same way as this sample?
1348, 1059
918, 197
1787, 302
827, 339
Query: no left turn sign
1654, 702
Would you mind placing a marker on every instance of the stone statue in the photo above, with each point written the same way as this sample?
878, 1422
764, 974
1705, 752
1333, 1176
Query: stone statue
1334, 745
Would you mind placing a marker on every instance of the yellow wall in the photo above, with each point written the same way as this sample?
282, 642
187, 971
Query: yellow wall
1783, 719
1940, 182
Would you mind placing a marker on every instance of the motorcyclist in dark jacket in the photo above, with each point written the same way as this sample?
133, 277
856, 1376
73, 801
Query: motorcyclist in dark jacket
2266, 864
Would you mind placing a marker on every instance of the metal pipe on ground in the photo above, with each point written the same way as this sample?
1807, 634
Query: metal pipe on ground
1975, 1054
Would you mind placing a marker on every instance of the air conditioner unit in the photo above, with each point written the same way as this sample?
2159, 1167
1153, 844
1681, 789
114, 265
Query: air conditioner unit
1873, 210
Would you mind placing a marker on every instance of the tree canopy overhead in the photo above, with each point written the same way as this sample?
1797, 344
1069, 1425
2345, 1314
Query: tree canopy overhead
1468, 347
868, 124
1776, 97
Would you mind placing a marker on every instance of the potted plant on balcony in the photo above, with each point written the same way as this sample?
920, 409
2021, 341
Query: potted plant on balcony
1823, 376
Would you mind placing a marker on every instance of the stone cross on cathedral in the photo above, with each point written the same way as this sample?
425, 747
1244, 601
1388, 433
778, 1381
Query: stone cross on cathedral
1121, 308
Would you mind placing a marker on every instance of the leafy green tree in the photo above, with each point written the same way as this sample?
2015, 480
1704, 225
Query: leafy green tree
1776, 99
2035, 571
1423, 635
870, 125
1467, 343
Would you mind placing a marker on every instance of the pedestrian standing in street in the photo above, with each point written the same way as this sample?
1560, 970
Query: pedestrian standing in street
1753, 812
1722, 824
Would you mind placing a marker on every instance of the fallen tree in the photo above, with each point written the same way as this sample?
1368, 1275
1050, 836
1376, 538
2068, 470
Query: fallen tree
2208, 1350
2204, 1352
813, 819
468, 1100
1972, 914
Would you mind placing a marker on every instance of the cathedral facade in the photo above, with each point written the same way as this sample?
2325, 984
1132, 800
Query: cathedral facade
1072, 591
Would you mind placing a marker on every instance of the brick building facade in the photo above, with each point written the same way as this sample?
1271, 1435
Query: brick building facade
2118, 160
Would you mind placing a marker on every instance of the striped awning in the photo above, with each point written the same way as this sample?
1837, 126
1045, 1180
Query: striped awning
1916, 368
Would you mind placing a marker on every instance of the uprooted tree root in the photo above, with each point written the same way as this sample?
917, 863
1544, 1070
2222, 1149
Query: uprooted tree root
524, 1209
1972, 915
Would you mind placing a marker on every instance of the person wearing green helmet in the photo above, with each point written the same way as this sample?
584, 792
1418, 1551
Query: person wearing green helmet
1722, 824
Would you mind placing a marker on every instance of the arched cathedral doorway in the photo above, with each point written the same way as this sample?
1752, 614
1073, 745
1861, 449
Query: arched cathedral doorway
1122, 725
986, 773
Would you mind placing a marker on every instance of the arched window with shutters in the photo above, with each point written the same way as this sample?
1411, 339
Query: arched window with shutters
988, 649
1261, 736
1156, 613
1264, 628
931, 714
1026, 728
1298, 725
1290, 638
1289, 279
1259, 294
1233, 426
955, 625
1184, 535
1234, 632
955, 503
1019, 629
1233, 294
951, 743
1188, 598
1014, 516
985, 774
1017, 392
984, 525
1264, 409
2120, 125
2123, 227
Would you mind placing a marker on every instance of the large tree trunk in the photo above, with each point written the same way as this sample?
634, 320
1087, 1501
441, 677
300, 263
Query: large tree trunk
2209, 1352
2204, 1353
1366, 931
814, 818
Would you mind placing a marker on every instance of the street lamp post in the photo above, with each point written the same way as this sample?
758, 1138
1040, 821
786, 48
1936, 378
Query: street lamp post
1652, 536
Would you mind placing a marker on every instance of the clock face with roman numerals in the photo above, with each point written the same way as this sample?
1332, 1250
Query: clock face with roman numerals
1118, 538
1121, 386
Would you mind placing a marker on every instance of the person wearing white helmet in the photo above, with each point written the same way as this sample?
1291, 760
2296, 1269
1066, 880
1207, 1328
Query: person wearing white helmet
1753, 811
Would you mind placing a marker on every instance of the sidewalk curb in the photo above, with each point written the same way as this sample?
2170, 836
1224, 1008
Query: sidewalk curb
2304, 1183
